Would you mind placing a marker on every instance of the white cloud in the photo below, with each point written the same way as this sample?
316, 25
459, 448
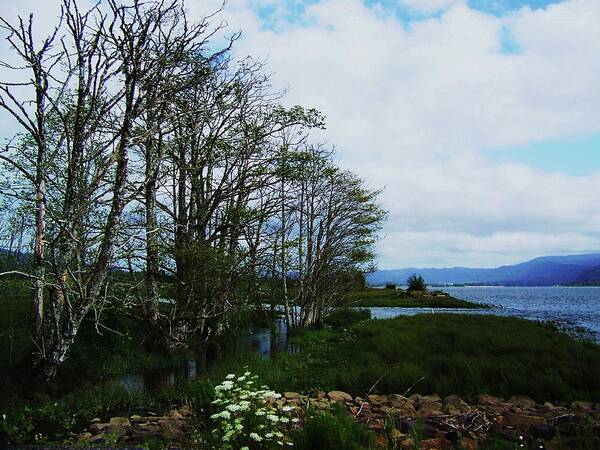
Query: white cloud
411, 109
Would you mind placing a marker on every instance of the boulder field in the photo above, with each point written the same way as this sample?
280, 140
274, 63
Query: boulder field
398, 421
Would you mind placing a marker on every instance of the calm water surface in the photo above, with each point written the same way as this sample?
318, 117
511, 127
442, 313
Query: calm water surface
573, 307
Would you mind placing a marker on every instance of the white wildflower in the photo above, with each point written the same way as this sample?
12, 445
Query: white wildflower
256, 437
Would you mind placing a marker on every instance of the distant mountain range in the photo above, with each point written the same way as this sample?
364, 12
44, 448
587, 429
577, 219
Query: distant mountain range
543, 271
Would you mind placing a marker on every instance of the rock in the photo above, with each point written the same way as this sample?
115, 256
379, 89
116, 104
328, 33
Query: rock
175, 415
377, 400
401, 404
339, 396
148, 418
485, 399
389, 411
520, 422
150, 427
377, 425
415, 399
454, 405
468, 444
359, 400
320, 395
97, 427
381, 441
435, 444
407, 444
406, 411
522, 401
186, 411
84, 437
494, 405
429, 409
398, 401
119, 422
542, 431
171, 429
321, 404
97, 438
582, 406
134, 417
291, 396
431, 398
95, 420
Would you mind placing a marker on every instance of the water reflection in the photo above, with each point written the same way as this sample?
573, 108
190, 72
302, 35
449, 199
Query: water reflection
263, 341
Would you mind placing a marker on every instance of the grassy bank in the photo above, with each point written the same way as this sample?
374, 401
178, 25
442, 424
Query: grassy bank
444, 353
399, 298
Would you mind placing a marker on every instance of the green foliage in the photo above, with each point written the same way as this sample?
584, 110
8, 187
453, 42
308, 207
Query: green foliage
347, 316
334, 431
390, 286
454, 354
57, 420
416, 283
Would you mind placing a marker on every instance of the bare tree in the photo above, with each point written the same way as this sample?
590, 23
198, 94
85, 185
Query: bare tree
87, 109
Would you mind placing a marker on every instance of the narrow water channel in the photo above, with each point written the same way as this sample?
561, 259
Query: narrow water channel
262, 341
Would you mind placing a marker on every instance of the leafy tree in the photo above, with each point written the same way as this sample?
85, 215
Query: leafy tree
416, 283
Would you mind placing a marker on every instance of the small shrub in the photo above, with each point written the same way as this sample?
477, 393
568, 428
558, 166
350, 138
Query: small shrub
334, 431
346, 316
390, 286
416, 283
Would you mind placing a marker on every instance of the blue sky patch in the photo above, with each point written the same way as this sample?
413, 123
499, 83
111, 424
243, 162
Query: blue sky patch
278, 14
502, 7
508, 45
574, 156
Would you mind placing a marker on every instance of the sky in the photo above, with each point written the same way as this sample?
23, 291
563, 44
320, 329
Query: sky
480, 119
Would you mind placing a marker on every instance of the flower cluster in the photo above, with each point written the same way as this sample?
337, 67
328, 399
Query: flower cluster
248, 416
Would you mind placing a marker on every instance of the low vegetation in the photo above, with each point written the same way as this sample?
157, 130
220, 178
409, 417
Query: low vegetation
399, 298
443, 353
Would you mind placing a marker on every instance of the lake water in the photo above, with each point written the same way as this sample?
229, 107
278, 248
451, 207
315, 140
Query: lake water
572, 307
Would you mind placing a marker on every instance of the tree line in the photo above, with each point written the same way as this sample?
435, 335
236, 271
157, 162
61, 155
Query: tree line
145, 147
